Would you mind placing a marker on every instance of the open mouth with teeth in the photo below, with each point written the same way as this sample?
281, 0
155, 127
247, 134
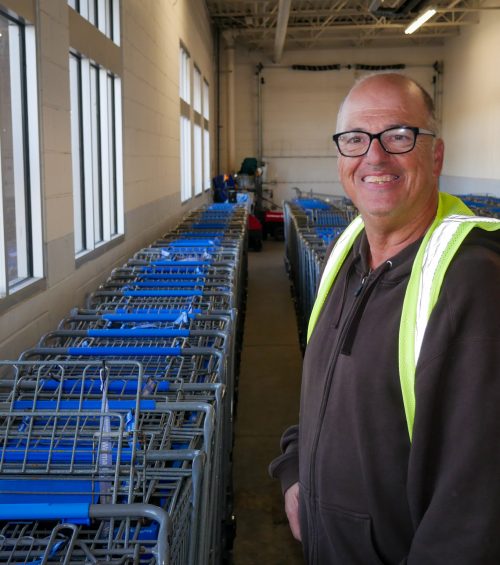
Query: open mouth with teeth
380, 179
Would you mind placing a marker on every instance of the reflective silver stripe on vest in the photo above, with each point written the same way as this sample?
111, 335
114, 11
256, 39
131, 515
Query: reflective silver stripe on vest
436, 247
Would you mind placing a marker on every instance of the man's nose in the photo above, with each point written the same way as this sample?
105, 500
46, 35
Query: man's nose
376, 151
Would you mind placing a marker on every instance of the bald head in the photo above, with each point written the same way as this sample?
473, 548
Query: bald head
395, 192
377, 86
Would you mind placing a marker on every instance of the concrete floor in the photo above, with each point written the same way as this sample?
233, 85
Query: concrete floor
268, 402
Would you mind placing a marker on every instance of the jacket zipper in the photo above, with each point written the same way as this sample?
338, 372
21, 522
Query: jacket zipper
331, 365
362, 283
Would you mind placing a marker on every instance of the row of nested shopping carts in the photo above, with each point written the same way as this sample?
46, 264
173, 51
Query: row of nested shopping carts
482, 204
312, 224
117, 428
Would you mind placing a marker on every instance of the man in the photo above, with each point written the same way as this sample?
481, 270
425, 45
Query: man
396, 459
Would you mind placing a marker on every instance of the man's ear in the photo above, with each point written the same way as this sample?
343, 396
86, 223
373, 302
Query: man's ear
438, 157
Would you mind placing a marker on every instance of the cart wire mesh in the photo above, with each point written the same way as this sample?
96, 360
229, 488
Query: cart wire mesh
117, 428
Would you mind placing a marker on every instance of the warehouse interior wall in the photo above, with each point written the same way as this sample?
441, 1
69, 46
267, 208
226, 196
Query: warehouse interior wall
148, 63
471, 109
299, 109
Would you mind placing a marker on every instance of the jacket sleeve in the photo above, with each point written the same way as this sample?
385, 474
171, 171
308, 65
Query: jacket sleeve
454, 467
286, 466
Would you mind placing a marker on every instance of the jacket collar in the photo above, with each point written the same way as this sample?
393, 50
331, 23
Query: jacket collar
402, 262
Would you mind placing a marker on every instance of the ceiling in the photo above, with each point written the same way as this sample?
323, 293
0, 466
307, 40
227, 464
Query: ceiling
274, 26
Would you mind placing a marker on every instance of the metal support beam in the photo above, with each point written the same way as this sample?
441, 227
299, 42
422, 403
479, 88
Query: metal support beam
231, 96
273, 25
281, 27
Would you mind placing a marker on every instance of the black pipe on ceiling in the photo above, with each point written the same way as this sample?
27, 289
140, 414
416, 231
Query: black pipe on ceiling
358, 67
405, 8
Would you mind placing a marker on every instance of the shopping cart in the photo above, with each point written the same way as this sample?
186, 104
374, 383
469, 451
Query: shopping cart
78, 385
100, 464
311, 226
117, 429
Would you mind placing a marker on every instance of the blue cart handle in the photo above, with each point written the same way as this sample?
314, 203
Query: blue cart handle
156, 311
162, 283
145, 276
212, 225
144, 293
125, 351
75, 512
152, 317
139, 332
192, 242
113, 405
180, 263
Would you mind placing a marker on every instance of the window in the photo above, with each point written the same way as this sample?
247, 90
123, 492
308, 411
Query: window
206, 100
184, 76
186, 191
21, 247
206, 136
198, 137
197, 90
185, 124
194, 129
96, 154
198, 161
103, 14
206, 159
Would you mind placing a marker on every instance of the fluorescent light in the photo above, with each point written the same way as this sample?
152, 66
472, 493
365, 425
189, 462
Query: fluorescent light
420, 20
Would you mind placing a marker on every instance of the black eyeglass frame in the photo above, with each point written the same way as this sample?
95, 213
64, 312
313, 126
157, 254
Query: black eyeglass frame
416, 131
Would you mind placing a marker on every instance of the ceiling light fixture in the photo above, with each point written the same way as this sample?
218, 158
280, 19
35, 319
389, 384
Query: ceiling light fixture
427, 15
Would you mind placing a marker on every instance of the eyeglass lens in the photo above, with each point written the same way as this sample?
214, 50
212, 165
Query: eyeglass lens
396, 140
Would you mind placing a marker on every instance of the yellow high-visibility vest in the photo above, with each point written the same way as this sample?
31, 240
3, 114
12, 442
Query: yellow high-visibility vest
450, 227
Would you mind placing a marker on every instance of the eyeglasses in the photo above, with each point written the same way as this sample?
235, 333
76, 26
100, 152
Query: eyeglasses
393, 140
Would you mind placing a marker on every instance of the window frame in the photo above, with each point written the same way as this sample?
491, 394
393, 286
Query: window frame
97, 156
207, 177
194, 129
197, 157
26, 182
102, 14
184, 75
185, 158
185, 126
197, 89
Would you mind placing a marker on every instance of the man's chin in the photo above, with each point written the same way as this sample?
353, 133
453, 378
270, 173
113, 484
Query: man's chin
378, 213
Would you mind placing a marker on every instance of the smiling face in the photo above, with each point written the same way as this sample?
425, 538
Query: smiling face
392, 192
